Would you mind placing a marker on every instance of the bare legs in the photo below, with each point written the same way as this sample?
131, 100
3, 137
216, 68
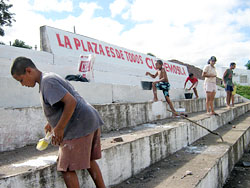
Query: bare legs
232, 100
96, 174
155, 92
71, 179
171, 105
196, 93
229, 96
210, 102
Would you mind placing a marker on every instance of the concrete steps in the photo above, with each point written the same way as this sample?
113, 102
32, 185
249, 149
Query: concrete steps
24, 126
208, 161
142, 146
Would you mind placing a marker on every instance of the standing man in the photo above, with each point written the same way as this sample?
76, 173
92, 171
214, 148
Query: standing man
228, 82
194, 82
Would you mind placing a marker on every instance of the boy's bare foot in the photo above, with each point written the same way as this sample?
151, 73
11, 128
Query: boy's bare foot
155, 100
214, 113
228, 106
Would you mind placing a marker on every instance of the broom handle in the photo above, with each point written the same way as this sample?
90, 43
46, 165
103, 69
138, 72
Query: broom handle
212, 132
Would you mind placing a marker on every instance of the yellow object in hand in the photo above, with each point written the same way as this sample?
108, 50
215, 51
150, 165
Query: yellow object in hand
44, 142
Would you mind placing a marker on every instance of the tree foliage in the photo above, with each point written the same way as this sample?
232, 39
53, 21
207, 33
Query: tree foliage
6, 17
21, 44
248, 65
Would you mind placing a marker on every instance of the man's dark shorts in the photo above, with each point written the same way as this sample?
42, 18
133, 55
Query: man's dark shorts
164, 86
229, 88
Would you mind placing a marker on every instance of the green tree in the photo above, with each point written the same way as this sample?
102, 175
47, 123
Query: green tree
21, 44
248, 65
6, 17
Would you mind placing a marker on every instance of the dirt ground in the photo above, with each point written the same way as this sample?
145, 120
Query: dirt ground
240, 176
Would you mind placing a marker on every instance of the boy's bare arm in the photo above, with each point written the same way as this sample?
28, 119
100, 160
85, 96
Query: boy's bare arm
69, 108
223, 78
153, 76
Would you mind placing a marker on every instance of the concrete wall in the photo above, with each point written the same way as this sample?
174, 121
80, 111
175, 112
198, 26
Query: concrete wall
122, 160
23, 126
109, 86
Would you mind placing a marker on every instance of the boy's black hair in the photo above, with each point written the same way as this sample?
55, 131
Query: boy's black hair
159, 61
20, 64
232, 64
191, 74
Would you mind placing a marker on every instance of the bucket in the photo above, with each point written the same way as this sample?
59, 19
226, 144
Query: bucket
188, 95
146, 85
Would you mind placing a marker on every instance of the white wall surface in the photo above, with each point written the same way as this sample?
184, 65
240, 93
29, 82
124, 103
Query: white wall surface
106, 88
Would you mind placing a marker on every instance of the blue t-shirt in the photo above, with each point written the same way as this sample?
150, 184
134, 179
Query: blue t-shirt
85, 118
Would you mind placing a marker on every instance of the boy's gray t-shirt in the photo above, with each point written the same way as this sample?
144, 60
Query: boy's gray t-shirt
85, 118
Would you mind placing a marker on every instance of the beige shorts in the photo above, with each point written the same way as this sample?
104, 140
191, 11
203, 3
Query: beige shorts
210, 87
76, 154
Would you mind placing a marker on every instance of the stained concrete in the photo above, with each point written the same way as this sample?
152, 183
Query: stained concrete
209, 160
23, 126
140, 149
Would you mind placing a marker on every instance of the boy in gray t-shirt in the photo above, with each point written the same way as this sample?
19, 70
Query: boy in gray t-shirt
75, 123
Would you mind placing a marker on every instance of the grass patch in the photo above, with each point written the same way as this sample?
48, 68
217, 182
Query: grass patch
243, 91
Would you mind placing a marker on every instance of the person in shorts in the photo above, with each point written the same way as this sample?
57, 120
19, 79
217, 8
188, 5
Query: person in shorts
228, 82
209, 72
194, 82
74, 123
161, 84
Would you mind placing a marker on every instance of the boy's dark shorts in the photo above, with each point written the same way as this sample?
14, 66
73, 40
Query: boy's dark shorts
164, 86
229, 88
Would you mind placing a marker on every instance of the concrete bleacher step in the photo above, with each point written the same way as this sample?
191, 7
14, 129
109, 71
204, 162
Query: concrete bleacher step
141, 147
206, 163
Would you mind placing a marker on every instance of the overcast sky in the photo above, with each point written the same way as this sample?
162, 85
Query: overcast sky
187, 30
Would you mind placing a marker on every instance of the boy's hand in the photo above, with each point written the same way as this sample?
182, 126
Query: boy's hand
57, 136
147, 73
47, 128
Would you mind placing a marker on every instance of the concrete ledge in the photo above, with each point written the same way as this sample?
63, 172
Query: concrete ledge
209, 160
23, 126
139, 150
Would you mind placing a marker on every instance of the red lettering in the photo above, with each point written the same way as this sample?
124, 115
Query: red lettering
84, 49
126, 55
130, 57
153, 64
148, 59
90, 47
117, 54
67, 42
121, 55
166, 66
95, 47
77, 43
184, 72
112, 51
107, 50
59, 40
101, 49
140, 57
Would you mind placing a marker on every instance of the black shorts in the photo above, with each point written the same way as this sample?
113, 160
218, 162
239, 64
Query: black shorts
229, 88
164, 86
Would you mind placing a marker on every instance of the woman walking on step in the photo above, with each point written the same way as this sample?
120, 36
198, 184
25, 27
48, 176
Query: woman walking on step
209, 72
